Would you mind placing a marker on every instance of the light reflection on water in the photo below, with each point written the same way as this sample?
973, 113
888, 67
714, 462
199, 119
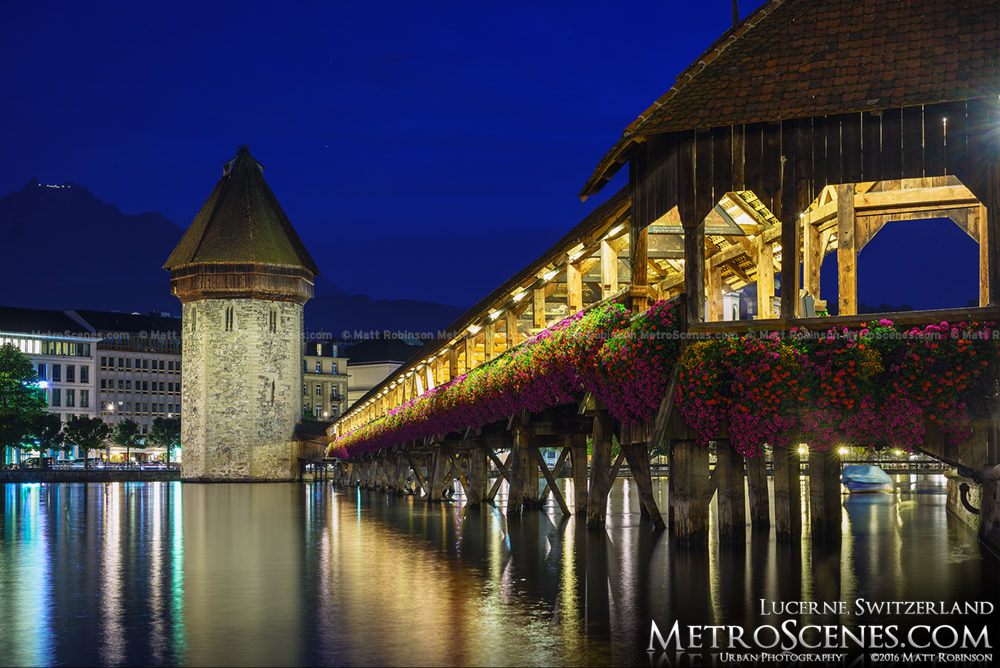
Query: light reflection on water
286, 574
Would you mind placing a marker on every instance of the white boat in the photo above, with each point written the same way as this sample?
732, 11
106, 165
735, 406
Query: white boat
866, 478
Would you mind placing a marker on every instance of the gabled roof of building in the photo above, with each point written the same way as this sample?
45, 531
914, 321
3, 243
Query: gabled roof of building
802, 58
40, 321
241, 221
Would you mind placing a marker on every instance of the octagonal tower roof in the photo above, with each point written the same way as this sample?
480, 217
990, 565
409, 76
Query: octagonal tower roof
241, 222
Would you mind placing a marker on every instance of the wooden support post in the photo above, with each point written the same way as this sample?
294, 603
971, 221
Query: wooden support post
824, 494
847, 256
456, 468
787, 493
600, 478
489, 334
812, 259
579, 461
640, 255
438, 472
694, 270
517, 471
531, 485
732, 497
574, 287
453, 371
714, 311
477, 477
765, 280
791, 231
760, 511
984, 258
510, 329
538, 308
637, 456
689, 497
550, 480
609, 269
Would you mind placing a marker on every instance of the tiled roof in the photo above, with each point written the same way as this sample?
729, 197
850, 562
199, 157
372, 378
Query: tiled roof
241, 222
801, 58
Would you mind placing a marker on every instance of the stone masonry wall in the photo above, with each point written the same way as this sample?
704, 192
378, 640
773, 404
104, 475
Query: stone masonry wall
242, 390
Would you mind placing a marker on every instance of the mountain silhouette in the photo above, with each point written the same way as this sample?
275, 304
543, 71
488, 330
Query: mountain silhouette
63, 248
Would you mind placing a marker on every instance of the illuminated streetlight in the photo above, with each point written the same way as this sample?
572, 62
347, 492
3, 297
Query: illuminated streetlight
803, 449
842, 451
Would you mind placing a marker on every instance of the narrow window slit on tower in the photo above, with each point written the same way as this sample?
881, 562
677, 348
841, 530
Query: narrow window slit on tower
229, 318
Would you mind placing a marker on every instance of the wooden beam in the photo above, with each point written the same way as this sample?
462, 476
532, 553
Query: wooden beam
637, 455
550, 482
847, 257
560, 461
639, 270
416, 473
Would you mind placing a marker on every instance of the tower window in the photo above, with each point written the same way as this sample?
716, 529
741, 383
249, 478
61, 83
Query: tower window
272, 391
273, 320
229, 318
194, 319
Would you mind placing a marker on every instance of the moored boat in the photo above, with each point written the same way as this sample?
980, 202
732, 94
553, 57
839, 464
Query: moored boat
866, 478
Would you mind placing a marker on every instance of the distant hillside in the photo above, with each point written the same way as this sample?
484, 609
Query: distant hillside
63, 248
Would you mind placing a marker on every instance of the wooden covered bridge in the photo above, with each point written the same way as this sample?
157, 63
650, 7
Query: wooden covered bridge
795, 137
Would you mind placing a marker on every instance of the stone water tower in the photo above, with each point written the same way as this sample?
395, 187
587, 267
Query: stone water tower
242, 275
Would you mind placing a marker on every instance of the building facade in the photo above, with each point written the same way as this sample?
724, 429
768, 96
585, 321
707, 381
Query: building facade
242, 275
372, 361
138, 370
64, 354
324, 380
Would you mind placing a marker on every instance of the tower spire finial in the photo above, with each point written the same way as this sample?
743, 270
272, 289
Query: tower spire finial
736, 12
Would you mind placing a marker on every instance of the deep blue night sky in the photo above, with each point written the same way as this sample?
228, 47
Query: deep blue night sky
422, 150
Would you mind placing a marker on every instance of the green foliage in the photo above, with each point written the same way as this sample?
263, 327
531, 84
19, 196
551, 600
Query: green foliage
126, 434
46, 428
166, 433
89, 433
20, 397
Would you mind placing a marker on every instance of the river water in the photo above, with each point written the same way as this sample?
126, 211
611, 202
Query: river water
302, 574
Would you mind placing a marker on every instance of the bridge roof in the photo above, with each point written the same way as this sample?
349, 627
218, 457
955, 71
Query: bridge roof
803, 58
241, 222
615, 209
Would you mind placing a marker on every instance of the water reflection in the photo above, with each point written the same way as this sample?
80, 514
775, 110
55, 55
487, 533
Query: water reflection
165, 574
